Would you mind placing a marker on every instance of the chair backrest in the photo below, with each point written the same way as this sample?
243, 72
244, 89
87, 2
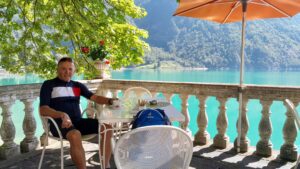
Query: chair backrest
160, 147
133, 94
139, 92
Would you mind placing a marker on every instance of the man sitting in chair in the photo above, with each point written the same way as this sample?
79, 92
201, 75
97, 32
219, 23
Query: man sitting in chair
59, 99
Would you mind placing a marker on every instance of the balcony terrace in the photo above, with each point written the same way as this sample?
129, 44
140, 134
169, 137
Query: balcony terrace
209, 152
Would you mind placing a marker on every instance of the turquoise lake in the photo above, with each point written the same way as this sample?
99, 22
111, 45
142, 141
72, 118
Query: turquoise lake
229, 77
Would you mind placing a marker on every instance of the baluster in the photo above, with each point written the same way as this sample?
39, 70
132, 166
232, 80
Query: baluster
221, 140
9, 148
153, 94
168, 97
114, 93
185, 112
244, 142
90, 112
288, 150
30, 142
101, 92
264, 145
202, 136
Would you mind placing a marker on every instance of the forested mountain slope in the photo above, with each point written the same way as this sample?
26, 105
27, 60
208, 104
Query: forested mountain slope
270, 44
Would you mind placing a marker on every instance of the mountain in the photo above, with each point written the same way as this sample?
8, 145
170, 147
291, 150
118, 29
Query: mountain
271, 44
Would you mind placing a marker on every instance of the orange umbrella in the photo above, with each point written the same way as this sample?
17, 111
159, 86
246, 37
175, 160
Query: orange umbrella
227, 11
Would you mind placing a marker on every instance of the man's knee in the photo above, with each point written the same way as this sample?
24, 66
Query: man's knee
73, 135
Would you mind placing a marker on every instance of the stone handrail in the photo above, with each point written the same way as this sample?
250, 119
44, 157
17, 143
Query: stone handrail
265, 94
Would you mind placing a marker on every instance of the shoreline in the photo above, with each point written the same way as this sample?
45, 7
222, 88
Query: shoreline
176, 68
4, 72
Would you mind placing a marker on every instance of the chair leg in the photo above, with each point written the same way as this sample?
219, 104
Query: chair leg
61, 154
99, 148
42, 157
113, 144
297, 163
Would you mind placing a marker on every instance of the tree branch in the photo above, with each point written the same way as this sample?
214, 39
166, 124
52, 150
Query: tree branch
34, 14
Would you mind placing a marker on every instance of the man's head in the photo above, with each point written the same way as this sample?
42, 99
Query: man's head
65, 69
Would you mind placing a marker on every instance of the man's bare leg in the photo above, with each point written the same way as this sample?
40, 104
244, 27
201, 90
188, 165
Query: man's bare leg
76, 149
108, 150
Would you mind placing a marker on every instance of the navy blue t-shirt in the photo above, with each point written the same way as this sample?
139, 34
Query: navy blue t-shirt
64, 96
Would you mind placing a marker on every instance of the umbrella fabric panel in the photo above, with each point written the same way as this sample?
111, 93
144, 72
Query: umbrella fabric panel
226, 11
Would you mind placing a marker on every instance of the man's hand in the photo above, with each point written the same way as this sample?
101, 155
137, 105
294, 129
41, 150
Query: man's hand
112, 101
66, 121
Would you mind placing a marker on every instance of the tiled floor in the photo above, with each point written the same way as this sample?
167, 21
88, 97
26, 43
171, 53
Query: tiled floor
204, 157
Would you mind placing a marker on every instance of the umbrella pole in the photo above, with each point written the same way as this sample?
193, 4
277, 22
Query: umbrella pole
241, 77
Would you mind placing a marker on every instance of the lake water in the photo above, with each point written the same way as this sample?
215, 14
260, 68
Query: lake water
231, 77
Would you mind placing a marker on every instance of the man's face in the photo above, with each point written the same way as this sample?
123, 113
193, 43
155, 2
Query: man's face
65, 71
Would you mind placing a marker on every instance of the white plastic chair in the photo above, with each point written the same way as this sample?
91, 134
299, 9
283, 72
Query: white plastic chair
46, 120
293, 109
139, 92
130, 102
154, 147
132, 95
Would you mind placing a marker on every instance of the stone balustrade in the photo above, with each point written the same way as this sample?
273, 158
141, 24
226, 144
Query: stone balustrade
222, 92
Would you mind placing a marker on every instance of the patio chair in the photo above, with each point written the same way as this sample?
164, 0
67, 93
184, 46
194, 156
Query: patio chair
130, 102
154, 147
135, 93
46, 120
294, 110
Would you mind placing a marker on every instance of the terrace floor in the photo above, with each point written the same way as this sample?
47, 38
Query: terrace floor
204, 157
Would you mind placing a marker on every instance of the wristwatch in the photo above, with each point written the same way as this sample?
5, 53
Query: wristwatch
110, 101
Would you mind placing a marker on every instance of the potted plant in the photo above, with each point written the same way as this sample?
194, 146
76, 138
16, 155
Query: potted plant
99, 55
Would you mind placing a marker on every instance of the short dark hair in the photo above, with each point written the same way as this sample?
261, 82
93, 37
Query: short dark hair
65, 59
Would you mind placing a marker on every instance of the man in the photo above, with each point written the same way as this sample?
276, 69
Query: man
60, 99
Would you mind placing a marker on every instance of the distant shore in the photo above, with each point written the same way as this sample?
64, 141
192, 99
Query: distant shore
4, 73
176, 68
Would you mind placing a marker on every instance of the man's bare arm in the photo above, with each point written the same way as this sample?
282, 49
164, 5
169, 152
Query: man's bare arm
48, 111
100, 99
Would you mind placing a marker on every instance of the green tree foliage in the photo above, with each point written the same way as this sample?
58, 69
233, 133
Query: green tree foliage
34, 34
156, 56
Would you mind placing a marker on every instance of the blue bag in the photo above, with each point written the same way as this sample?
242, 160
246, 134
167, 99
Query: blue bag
148, 117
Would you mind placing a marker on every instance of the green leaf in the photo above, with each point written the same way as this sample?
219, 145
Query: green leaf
35, 34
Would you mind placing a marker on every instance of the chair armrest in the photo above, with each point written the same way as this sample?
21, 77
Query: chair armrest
45, 120
94, 110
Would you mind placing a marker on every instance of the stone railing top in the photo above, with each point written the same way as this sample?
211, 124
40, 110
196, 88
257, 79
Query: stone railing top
31, 91
265, 92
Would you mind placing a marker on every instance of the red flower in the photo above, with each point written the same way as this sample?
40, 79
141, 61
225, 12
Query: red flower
95, 52
107, 62
101, 42
85, 50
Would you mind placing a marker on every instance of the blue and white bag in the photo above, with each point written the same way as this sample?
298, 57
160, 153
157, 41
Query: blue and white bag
148, 117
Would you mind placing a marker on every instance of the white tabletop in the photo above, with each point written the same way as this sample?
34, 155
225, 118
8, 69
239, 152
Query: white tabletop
121, 114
